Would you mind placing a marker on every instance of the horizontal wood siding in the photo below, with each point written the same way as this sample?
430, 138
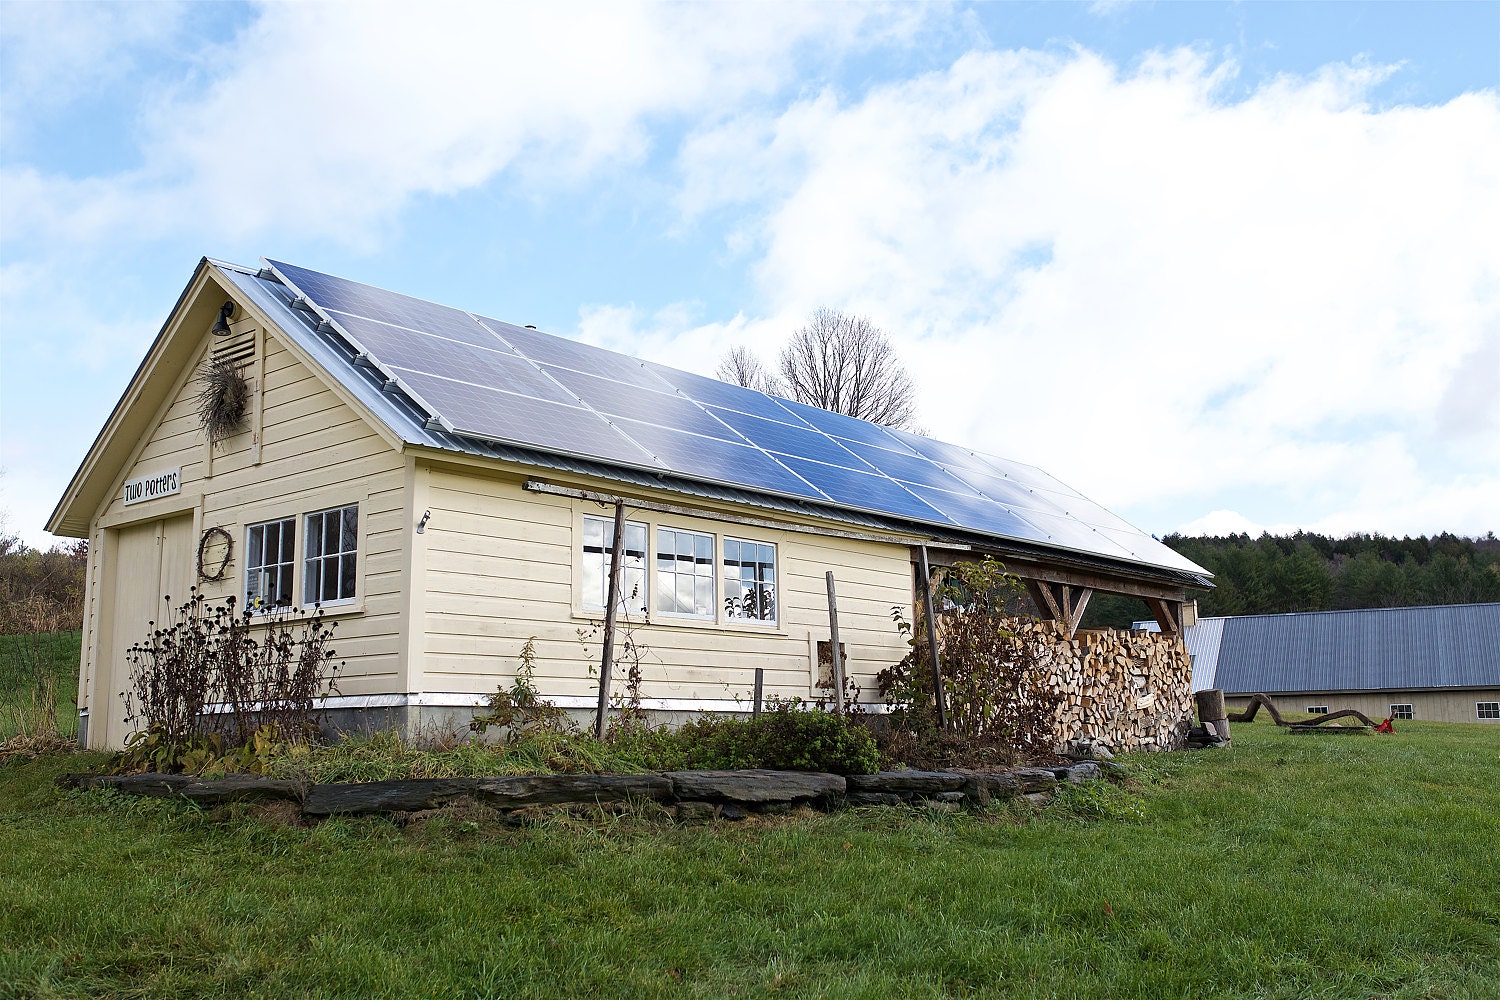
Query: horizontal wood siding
502, 565
316, 453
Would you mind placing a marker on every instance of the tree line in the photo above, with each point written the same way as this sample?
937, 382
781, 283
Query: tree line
41, 592
1277, 574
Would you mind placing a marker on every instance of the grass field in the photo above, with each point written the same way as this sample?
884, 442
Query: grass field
1289, 866
56, 654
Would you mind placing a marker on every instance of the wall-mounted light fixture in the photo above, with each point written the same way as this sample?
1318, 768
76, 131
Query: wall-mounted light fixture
422, 524
221, 328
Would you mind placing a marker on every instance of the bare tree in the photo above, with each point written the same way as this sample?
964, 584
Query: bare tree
740, 366
845, 363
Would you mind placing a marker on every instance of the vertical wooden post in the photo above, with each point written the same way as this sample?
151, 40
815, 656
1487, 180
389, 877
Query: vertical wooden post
607, 662
932, 644
760, 687
833, 647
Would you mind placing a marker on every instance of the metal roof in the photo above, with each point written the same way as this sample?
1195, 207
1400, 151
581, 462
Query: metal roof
1374, 649
412, 425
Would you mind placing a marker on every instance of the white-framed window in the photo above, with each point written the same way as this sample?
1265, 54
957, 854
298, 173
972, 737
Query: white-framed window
598, 543
270, 563
749, 580
1402, 712
1317, 709
685, 573
1487, 709
331, 551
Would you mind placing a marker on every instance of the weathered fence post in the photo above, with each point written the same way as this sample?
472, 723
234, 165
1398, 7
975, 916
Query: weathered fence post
607, 661
760, 686
833, 647
932, 644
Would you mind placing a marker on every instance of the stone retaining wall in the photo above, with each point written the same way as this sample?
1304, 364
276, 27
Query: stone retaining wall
691, 794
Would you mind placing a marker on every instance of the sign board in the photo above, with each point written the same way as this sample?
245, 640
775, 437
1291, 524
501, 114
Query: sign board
153, 486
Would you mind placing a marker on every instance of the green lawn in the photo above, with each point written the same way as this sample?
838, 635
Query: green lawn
1290, 866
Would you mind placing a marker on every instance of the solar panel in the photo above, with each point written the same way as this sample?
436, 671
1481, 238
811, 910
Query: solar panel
546, 349
790, 440
498, 381
715, 458
390, 307
715, 393
504, 416
909, 468
499, 368
842, 426
980, 514
621, 400
865, 490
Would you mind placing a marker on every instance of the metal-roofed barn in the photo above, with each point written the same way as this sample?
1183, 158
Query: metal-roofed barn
432, 478
1439, 662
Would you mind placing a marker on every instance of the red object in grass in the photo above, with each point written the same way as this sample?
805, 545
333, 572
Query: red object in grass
1385, 727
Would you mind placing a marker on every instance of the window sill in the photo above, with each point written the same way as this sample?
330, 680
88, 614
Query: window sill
704, 625
298, 615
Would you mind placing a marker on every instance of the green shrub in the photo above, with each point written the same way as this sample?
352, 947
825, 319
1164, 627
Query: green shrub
788, 737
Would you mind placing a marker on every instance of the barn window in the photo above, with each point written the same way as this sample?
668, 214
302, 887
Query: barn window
749, 580
684, 573
1402, 712
1488, 709
598, 543
328, 569
1317, 709
269, 562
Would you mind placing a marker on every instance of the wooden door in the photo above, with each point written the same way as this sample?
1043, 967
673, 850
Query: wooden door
153, 560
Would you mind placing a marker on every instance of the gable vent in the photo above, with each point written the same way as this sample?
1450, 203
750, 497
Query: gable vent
237, 347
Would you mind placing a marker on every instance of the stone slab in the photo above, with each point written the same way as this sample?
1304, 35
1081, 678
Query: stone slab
1020, 781
754, 786
923, 782
554, 789
401, 795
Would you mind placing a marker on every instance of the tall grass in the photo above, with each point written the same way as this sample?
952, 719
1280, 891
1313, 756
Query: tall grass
39, 685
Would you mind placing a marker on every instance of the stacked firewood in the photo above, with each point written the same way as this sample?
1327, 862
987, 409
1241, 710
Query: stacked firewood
1129, 690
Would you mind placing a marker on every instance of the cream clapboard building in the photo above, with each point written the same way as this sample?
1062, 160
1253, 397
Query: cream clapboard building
439, 482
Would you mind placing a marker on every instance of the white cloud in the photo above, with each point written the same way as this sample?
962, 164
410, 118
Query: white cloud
337, 115
1153, 291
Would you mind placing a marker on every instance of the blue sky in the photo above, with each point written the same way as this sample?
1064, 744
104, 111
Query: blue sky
1218, 266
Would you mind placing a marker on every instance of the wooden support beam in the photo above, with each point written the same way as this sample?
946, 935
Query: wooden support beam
1045, 598
1166, 615
1079, 602
932, 645
833, 647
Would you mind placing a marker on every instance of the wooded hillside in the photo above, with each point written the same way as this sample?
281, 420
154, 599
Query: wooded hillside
1274, 574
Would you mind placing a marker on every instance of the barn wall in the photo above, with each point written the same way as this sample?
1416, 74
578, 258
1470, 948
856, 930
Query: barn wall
1429, 706
501, 565
304, 451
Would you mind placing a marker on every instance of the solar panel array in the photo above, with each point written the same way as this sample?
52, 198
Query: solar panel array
487, 379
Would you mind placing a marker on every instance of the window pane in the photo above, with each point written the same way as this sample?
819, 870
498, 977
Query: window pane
255, 548
349, 541
314, 535
331, 532
731, 551
705, 548
703, 600
346, 576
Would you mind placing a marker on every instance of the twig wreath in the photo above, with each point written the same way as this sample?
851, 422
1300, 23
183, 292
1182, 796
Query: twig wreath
223, 398
205, 557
